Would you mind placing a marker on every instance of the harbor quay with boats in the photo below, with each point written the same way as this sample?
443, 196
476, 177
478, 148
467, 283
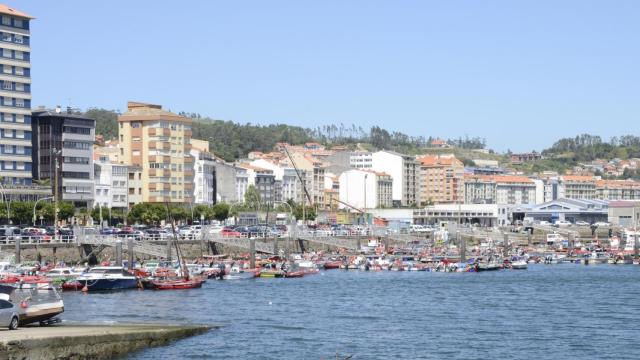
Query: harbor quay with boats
38, 292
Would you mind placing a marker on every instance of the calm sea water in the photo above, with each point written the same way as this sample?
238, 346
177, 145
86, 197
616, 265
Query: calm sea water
558, 311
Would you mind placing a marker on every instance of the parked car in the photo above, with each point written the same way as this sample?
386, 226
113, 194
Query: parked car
9, 315
563, 223
544, 223
157, 234
582, 223
229, 232
190, 232
602, 224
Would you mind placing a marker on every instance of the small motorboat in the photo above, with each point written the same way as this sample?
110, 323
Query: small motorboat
237, 273
519, 265
491, 266
103, 278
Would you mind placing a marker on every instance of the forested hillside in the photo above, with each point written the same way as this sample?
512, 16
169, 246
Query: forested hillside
231, 140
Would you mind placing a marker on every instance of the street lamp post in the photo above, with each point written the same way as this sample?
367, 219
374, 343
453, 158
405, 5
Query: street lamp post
36, 204
55, 152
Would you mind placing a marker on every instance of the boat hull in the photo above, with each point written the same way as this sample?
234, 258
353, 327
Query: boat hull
108, 284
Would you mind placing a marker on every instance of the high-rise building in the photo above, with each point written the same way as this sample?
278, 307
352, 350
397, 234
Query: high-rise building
68, 138
15, 97
159, 142
404, 171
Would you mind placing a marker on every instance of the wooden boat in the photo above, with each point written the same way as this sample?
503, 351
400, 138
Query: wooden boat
177, 284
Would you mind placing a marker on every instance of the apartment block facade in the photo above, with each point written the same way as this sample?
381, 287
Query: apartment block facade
441, 179
159, 142
15, 98
69, 139
404, 171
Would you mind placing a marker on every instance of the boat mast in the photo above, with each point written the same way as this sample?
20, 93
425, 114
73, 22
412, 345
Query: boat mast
183, 266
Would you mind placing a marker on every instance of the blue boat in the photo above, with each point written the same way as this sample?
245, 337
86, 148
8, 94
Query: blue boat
105, 278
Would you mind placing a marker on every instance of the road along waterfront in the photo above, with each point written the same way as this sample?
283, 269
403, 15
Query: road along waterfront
548, 311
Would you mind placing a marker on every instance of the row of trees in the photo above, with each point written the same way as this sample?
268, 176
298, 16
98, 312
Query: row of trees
21, 212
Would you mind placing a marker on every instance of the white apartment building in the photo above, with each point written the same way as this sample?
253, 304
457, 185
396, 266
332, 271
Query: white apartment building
111, 185
365, 189
404, 172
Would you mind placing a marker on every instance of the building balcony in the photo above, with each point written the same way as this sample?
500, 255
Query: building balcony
159, 159
159, 132
159, 172
189, 173
188, 133
188, 160
158, 186
159, 145
159, 199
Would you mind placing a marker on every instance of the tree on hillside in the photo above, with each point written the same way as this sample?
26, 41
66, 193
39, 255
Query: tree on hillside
106, 122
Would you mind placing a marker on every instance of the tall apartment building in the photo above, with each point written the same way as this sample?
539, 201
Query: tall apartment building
441, 179
69, 138
15, 98
159, 142
403, 169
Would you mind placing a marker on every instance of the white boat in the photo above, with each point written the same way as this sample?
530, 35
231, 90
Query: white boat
63, 273
237, 273
520, 264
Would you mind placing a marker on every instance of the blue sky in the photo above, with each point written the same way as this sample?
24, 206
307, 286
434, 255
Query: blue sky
519, 73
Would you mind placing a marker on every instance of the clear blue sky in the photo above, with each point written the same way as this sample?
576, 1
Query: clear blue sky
519, 73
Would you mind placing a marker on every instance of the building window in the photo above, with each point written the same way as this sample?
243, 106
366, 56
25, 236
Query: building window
135, 152
6, 37
6, 101
18, 39
6, 53
135, 125
19, 71
7, 69
7, 85
19, 55
18, 23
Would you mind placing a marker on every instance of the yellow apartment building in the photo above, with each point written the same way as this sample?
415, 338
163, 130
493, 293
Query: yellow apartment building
158, 141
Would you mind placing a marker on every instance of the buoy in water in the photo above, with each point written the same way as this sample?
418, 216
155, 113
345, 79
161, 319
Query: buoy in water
85, 289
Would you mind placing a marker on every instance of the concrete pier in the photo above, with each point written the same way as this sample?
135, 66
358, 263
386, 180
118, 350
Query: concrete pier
88, 342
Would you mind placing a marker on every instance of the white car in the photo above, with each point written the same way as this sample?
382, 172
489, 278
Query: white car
582, 223
602, 224
563, 223
215, 229
9, 316
544, 223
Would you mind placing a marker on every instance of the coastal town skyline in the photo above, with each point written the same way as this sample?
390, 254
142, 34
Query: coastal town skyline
488, 70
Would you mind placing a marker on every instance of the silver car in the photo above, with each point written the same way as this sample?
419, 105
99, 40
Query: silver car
8, 314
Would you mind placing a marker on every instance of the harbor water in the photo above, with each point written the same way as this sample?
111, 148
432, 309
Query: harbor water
548, 311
